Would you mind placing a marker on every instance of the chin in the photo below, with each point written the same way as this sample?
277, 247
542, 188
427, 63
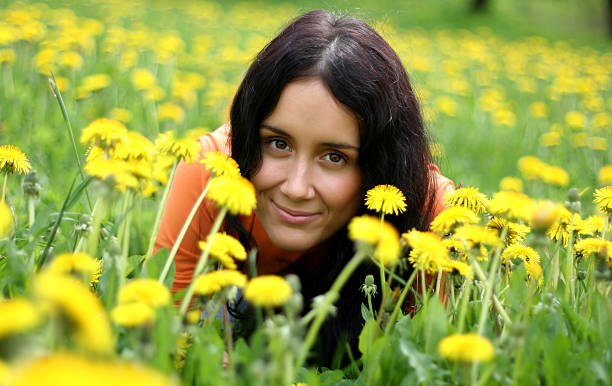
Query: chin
293, 243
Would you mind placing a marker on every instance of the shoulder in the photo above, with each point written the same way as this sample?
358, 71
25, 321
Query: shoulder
441, 187
217, 141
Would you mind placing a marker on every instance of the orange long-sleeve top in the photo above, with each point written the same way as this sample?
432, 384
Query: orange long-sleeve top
189, 182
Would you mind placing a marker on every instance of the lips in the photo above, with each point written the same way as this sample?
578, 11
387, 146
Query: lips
294, 217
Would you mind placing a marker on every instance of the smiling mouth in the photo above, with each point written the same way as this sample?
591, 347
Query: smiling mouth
294, 217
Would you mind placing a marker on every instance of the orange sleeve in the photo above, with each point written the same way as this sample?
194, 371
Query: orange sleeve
188, 183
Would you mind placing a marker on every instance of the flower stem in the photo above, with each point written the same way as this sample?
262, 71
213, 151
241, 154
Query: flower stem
4, 187
605, 228
31, 211
181, 235
489, 284
322, 311
125, 244
555, 263
227, 326
400, 301
569, 265
60, 101
201, 264
464, 297
99, 210
158, 215
496, 303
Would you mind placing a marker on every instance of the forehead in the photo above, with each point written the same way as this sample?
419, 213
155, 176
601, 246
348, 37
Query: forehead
306, 108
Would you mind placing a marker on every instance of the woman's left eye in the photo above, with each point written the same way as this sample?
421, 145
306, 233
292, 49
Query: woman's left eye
335, 158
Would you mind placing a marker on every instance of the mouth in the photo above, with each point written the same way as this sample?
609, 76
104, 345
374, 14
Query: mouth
294, 217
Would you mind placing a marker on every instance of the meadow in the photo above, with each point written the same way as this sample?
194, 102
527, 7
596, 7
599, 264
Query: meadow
101, 99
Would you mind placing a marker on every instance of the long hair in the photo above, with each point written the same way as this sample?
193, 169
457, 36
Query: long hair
365, 74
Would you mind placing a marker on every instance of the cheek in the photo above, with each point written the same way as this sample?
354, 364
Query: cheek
344, 194
267, 176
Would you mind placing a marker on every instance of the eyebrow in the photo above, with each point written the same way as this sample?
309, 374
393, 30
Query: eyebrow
330, 144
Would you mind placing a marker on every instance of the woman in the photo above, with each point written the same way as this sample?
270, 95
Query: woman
324, 113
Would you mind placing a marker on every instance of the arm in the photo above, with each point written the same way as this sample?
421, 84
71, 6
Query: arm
189, 182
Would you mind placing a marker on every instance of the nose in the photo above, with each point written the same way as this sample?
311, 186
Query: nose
297, 184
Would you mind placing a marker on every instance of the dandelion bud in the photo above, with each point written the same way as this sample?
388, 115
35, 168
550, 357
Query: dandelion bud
317, 304
83, 227
30, 186
573, 206
581, 274
369, 287
294, 282
113, 248
573, 195
294, 305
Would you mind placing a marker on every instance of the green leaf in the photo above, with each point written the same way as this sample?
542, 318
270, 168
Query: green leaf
368, 335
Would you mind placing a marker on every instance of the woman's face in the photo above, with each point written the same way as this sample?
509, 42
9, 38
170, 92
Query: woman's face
309, 183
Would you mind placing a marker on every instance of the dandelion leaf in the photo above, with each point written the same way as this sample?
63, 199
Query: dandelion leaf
368, 335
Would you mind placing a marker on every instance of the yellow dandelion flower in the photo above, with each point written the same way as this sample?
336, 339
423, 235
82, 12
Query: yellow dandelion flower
18, 315
603, 199
550, 139
555, 175
215, 281
511, 183
566, 223
534, 273
545, 214
459, 267
575, 119
538, 109
143, 79
597, 223
70, 369
225, 249
268, 291
386, 199
67, 296
235, 193
95, 82
428, 253
449, 218
531, 167
591, 245
135, 147
476, 235
104, 133
382, 236
468, 348
185, 149
220, 164
523, 252
470, 198
12, 160
79, 262
7, 220
118, 174
171, 112
146, 291
605, 175
121, 115
512, 205
133, 314
514, 232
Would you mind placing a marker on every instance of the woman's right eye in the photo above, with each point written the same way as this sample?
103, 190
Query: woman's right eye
278, 144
